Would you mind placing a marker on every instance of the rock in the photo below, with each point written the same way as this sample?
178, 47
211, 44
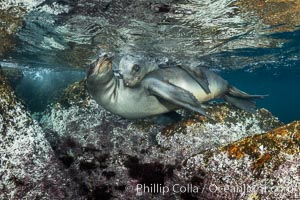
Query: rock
11, 22
28, 166
98, 155
94, 154
264, 166
109, 155
229, 124
75, 93
13, 75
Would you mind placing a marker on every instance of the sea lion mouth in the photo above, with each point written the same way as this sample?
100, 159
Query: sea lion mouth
102, 64
118, 73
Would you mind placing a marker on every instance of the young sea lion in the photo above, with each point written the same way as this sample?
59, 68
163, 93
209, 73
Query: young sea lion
165, 82
131, 66
138, 102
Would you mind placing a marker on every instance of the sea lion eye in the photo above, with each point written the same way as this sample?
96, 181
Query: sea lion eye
136, 68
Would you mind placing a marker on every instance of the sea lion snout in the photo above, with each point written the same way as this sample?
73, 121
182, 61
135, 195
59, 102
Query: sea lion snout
130, 82
102, 64
106, 56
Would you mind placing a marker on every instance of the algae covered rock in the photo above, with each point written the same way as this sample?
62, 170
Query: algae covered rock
11, 20
28, 166
76, 93
81, 151
229, 124
109, 156
263, 166
13, 75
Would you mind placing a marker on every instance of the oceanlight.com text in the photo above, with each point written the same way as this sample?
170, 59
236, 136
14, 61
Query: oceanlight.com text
242, 190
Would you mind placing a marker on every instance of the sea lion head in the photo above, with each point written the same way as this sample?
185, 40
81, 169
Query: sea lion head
100, 71
100, 66
134, 68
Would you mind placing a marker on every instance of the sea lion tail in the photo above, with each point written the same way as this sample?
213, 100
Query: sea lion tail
241, 99
233, 91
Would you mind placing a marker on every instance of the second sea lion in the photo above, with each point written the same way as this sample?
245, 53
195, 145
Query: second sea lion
164, 82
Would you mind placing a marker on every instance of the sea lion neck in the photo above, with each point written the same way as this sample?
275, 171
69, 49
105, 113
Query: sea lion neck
101, 81
106, 77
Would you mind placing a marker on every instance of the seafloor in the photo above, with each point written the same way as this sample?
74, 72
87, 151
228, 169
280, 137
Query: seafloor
80, 151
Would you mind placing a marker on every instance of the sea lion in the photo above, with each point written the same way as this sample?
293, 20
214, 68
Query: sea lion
132, 103
134, 74
164, 82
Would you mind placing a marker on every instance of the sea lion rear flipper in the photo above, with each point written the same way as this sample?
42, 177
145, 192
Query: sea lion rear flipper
233, 91
198, 74
241, 99
248, 105
176, 95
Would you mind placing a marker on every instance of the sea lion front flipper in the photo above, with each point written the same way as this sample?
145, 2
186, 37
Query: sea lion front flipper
198, 74
175, 94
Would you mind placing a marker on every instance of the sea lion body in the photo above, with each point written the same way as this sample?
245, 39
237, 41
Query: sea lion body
158, 91
180, 78
195, 84
130, 103
111, 94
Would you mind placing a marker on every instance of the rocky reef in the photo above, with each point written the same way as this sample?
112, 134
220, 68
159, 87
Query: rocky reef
13, 75
10, 22
110, 156
78, 150
263, 166
29, 168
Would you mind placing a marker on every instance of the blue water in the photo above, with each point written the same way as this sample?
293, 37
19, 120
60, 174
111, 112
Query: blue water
41, 87
272, 71
281, 84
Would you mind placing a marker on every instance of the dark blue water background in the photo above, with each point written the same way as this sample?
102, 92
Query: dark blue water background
282, 86
41, 87
279, 78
